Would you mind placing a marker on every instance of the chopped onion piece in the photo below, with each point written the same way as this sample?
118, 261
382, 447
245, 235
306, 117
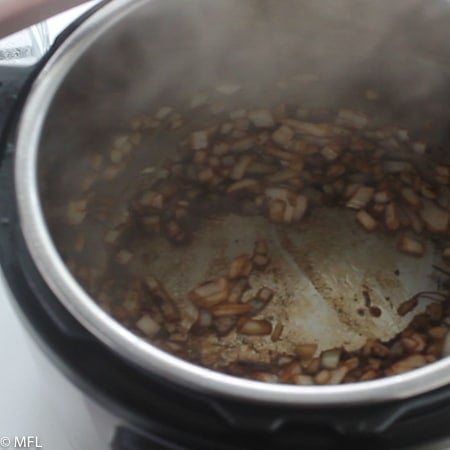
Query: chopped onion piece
309, 128
323, 377
306, 351
352, 119
240, 267
238, 171
436, 218
391, 217
446, 253
419, 147
148, 326
199, 140
410, 197
331, 151
366, 220
338, 375
228, 88
261, 118
330, 358
230, 309
76, 211
163, 113
411, 246
361, 197
255, 327
397, 166
210, 293
407, 364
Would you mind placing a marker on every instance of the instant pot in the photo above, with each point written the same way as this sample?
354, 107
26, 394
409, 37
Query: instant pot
80, 93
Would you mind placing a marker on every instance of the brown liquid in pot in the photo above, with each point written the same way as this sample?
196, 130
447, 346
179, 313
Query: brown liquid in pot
287, 243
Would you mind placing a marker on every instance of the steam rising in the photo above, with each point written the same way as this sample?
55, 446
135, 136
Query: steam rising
174, 48
167, 51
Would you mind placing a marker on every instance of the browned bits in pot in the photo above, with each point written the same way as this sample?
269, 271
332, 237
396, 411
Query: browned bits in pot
276, 334
280, 163
407, 306
435, 311
375, 311
162, 299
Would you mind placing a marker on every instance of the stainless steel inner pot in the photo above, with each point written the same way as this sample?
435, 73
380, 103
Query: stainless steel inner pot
128, 56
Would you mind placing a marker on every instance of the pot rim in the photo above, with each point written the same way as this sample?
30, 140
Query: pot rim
105, 328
